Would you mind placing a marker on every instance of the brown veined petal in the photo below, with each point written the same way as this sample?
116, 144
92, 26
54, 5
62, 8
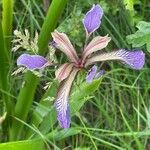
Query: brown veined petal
135, 58
63, 71
96, 44
61, 103
63, 43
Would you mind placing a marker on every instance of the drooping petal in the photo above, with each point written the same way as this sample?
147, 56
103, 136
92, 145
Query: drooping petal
99, 74
32, 62
63, 112
91, 74
63, 43
63, 71
61, 103
92, 19
96, 44
135, 59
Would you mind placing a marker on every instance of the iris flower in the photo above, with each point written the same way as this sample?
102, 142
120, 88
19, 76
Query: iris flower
67, 72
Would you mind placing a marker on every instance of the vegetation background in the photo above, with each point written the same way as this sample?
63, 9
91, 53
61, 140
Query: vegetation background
117, 115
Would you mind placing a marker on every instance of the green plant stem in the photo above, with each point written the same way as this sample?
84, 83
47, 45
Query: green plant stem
49, 25
4, 81
26, 95
3, 69
5, 52
7, 22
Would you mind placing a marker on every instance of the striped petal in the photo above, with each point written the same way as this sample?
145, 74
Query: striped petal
91, 74
63, 43
63, 71
61, 103
135, 59
32, 62
92, 19
96, 44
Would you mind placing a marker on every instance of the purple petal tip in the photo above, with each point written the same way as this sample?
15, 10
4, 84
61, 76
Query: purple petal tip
92, 19
135, 59
32, 62
63, 116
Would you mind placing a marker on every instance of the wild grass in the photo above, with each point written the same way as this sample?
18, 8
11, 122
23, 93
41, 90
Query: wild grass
117, 115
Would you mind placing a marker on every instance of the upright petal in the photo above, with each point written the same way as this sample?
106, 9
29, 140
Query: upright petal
135, 59
92, 19
63, 71
96, 44
63, 43
91, 74
32, 62
61, 103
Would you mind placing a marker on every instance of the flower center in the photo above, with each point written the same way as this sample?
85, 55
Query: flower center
80, 64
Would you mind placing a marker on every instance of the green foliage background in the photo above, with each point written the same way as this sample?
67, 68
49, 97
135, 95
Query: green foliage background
116, 114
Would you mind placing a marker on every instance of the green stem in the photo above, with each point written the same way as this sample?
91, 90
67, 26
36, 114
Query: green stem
26, 95
49, 25
7, 22
4, 69
5, 40
4, 81
24, 102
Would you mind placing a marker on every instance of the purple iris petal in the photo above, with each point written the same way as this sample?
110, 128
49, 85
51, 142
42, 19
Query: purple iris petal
135, 59
63, 115
99, 74
32, 62
61, 103
91, 74
92, 19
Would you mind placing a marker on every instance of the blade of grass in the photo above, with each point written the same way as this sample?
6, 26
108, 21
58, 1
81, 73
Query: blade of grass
27, 6
139, 145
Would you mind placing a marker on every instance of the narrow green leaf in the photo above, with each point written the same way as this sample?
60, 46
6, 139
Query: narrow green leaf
44, 108
79, 97
23, 145
59, 135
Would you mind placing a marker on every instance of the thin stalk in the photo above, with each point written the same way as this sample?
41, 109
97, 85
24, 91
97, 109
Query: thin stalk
7, 22
26, 95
